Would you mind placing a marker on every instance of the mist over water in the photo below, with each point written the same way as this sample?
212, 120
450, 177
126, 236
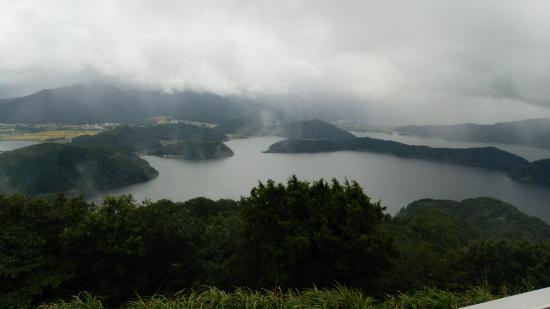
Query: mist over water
394, 181
527, 152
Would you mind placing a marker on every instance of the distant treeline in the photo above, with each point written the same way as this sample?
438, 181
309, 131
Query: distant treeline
494, 158
533, 132
289, 236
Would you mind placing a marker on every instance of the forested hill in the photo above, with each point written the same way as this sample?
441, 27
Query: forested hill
474, 241
307, 129
487, 157
100, 103
535, 172
533, 132
483, 217
48, 167
318, 136
193, 150
179, 140
281, 237
312, 129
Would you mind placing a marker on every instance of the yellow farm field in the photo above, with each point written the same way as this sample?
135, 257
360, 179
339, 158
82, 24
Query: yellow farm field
46, 135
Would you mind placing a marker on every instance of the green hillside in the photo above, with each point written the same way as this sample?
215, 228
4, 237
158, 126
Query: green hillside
487, 157
295, 236
194, 150
179, 140
49, 167
481, 218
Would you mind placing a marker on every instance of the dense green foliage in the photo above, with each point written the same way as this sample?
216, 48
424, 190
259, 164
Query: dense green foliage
437, 240
534, 132
194, 150
487, 157
336, 298
287, 237
48, 167
486, 217
303, 234
122, 247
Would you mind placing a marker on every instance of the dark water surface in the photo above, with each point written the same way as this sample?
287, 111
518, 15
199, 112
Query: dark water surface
393, 180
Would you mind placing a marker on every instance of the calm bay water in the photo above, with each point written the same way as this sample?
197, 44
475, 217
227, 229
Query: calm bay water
11, 145
394, 181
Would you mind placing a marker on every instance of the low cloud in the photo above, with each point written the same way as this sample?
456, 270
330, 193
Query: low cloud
456, 60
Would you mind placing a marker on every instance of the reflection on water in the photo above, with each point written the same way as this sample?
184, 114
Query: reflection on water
394, 180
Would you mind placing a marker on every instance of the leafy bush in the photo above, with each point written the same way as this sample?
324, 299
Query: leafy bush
282, 237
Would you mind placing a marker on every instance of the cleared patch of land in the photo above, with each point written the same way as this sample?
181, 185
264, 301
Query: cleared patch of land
61, 135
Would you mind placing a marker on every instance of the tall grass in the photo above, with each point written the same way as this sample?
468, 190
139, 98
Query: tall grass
339, 297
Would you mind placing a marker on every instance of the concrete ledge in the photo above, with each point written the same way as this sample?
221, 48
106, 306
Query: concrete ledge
537, 299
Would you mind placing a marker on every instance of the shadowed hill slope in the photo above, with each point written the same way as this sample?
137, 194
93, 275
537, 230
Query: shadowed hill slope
175, 140
100, 103
535, 172
485, 217
49, 167
487, 157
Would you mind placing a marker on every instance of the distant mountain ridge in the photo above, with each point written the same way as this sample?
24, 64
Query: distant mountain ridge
532, 132
100, 103
73, 104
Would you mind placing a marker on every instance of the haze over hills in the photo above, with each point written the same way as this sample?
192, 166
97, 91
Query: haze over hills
74, 104
122, 121
177, 140
99, 103
533, 132
312, 129
307, 129
515, 166
49, 167
194, 142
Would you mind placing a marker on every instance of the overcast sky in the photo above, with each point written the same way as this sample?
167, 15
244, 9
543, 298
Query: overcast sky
408, 61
